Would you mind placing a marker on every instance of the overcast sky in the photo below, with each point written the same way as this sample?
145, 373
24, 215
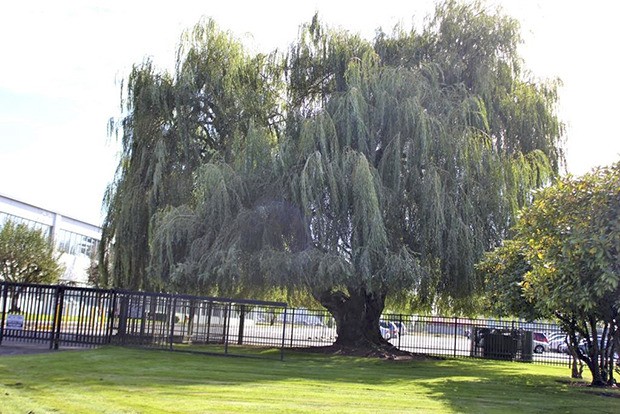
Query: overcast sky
62, 62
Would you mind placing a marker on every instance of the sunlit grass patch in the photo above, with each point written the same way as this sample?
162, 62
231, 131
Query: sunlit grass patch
120, 380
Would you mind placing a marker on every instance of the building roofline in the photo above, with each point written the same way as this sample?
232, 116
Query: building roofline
47, 210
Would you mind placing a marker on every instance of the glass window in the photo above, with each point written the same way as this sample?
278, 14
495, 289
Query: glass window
4, 217
76, 244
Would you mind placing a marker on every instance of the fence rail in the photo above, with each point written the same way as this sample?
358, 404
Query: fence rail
61, 316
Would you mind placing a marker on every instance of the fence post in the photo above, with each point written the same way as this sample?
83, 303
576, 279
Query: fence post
111, 314
190, 321
283, 334
123, 316
241, 325
456, 321
400, 328
292, 325
226, 327
143, 315
5, 295
209, 310
58, 305
172, 321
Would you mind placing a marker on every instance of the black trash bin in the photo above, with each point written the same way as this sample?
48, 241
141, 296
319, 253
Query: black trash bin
500, 345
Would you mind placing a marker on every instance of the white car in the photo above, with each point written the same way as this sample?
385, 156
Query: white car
385, 333
563, 348
540, 342
556, 340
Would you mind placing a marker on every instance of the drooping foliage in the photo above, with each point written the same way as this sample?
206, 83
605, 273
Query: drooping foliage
174, 124
390, 167
563, 262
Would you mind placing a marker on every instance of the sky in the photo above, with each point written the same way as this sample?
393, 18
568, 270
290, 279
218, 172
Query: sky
63, 62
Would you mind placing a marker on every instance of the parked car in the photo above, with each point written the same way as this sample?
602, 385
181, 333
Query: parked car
391, 326
385, 332
556, 340
306, 317
540, 342
583, 345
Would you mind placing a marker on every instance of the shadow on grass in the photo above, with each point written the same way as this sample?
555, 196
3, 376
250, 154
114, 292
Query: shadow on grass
462, 385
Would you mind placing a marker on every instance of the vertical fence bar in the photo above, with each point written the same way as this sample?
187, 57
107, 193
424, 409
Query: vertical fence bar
30, 312
172, 319
22, 307
226, 327
456, 321
112, 300
83, 322
283, 334
143, 314
241, 325
400, 328
122, 316
209, 312
5, 294
55, 337
292, 325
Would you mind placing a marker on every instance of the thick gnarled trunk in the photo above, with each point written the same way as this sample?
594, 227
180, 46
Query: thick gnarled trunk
357, 317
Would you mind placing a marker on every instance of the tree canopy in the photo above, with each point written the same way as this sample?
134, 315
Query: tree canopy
564, 262
27, 255
348, 170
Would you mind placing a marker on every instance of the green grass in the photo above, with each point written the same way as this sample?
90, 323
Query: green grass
120, 380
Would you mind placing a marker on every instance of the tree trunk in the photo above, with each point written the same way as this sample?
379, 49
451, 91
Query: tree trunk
597, 374
596, 358
576, 366
14, 292
357, 318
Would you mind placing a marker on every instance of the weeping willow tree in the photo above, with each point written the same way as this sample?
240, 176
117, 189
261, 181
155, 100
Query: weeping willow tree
393, 165
173, 124
409, 158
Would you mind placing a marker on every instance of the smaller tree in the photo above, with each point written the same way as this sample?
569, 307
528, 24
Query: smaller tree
563, 262
26, 256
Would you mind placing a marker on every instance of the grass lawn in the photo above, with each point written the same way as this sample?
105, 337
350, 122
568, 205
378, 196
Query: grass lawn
120, 380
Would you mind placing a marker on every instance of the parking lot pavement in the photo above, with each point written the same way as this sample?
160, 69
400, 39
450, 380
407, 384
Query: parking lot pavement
9, 347
20, 348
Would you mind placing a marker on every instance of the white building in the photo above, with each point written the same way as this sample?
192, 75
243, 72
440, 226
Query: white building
75, 239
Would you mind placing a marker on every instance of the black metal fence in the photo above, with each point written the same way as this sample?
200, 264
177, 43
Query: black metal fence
64, 316
455, 337
61, 316
197, 324
479, 338
56, 315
